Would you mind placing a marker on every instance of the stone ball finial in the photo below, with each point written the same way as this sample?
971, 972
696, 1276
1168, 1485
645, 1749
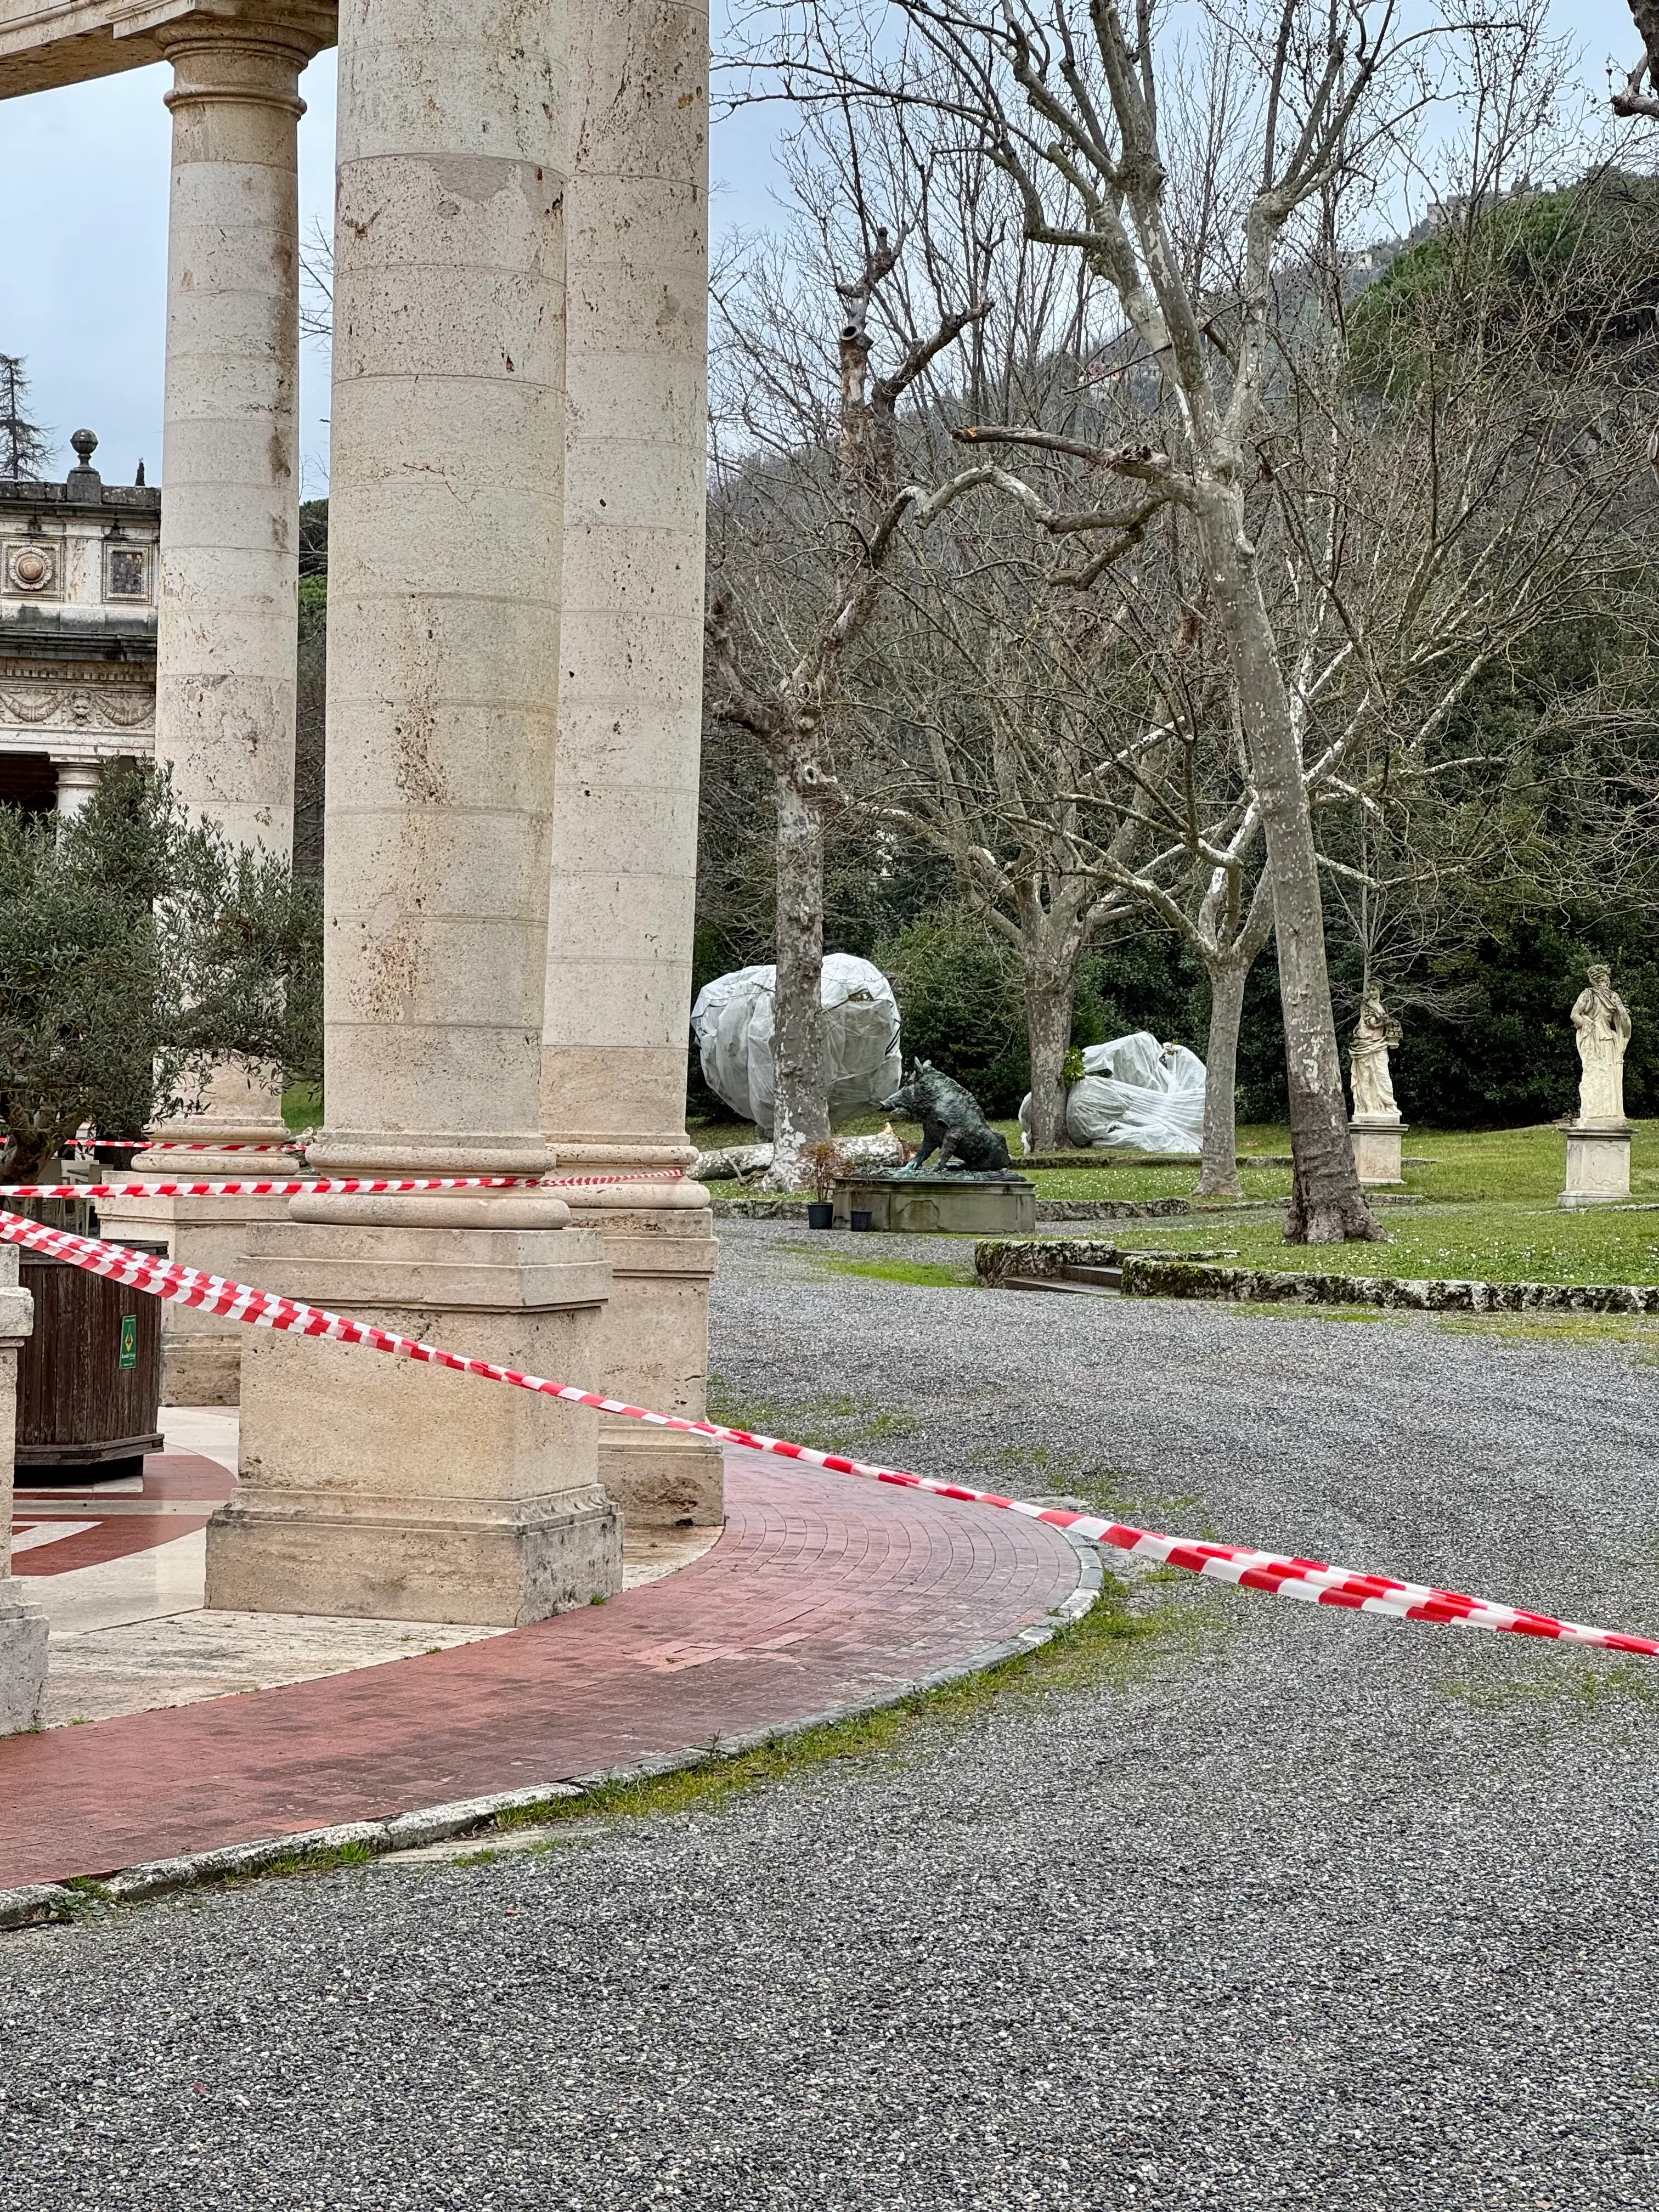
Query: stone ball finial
85, 443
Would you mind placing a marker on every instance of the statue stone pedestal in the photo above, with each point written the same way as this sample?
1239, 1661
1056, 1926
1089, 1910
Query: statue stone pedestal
23, 1624
940, 1205
1598, 1164
1376, 1141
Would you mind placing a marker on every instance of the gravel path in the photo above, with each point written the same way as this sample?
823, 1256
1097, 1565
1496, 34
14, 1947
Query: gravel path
1309, 1910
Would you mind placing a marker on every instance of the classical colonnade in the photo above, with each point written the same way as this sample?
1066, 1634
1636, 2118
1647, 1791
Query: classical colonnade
515, 654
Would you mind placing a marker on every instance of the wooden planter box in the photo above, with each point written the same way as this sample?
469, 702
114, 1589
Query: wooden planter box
90, 1378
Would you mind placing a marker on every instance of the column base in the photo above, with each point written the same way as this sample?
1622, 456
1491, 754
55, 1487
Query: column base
383, 1488
500, 1571
1375, 1144
1598, 1165
23, 1633
652, 1349
660, 1479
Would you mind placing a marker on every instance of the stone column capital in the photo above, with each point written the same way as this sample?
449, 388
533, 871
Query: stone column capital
245, 56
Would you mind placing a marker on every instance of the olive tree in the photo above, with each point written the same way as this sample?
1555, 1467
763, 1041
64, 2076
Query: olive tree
138, 951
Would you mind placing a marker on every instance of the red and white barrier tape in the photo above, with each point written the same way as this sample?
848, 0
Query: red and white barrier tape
645, 1174
158, 1145
355, 1186
320, 1186
1310, 1580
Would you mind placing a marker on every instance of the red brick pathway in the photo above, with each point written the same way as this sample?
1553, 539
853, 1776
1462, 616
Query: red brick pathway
824, 1589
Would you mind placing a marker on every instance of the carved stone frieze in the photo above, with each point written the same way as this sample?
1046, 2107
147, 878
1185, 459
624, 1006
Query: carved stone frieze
83, 701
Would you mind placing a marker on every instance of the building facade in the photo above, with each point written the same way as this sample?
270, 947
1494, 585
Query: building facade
78, 631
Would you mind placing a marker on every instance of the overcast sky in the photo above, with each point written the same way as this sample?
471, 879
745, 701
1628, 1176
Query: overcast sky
84, 265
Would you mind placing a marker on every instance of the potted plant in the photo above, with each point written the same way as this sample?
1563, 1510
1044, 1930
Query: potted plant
826, 1163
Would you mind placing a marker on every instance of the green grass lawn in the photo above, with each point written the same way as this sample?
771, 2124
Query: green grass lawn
1489, 1213
1488, 1209
1513, 1241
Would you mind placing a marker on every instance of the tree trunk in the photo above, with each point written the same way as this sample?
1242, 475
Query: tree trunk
1229, 971
1050, 990
1218, 1176
802, 1106
1326, 1205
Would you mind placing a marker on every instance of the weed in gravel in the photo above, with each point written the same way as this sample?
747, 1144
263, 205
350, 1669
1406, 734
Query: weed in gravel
1110, 1647
931, 1275
1592, 1689
1128, 1494
320, 1862
1575, 1331
841, 1424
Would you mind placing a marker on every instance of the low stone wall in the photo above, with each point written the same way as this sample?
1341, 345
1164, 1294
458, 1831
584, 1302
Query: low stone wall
1112, 1156
1155, 1277
997, 1258
1111, 1209
1152, 1275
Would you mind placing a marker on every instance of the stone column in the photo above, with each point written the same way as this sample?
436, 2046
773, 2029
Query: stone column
229, 636
76, 783
625, 818
22, 1625
371, 1486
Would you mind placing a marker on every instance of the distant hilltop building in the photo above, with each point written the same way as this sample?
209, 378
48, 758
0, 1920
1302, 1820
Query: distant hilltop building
78, 631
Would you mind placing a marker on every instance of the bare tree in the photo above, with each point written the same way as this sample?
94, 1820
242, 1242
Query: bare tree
1632, 99
808, 509
1065, 100
1361, 555
996, 725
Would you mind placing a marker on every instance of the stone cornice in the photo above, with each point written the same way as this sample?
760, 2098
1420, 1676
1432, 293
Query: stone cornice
27, 675
52, 42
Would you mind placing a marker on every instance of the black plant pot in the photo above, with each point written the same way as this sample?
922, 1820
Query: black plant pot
820, 1214
861, 1219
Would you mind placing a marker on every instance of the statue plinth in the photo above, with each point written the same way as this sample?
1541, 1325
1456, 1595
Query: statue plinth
1376, 1141
1598, 1164
956, 1203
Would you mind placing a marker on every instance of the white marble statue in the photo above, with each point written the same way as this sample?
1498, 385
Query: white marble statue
1368, 1061
1602, 1021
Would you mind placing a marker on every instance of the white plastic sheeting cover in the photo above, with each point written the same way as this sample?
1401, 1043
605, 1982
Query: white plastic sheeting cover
732, 1022
1136, 1096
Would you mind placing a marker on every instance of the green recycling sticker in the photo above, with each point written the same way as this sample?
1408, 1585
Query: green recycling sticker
129, 1343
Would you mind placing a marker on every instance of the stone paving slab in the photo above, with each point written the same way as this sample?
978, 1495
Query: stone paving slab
823, 1591
187, 1658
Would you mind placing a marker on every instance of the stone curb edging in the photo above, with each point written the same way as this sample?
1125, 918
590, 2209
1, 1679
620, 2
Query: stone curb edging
1157, 1277
40, 1903
1150, 1275
1111, 1209
996, 1258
